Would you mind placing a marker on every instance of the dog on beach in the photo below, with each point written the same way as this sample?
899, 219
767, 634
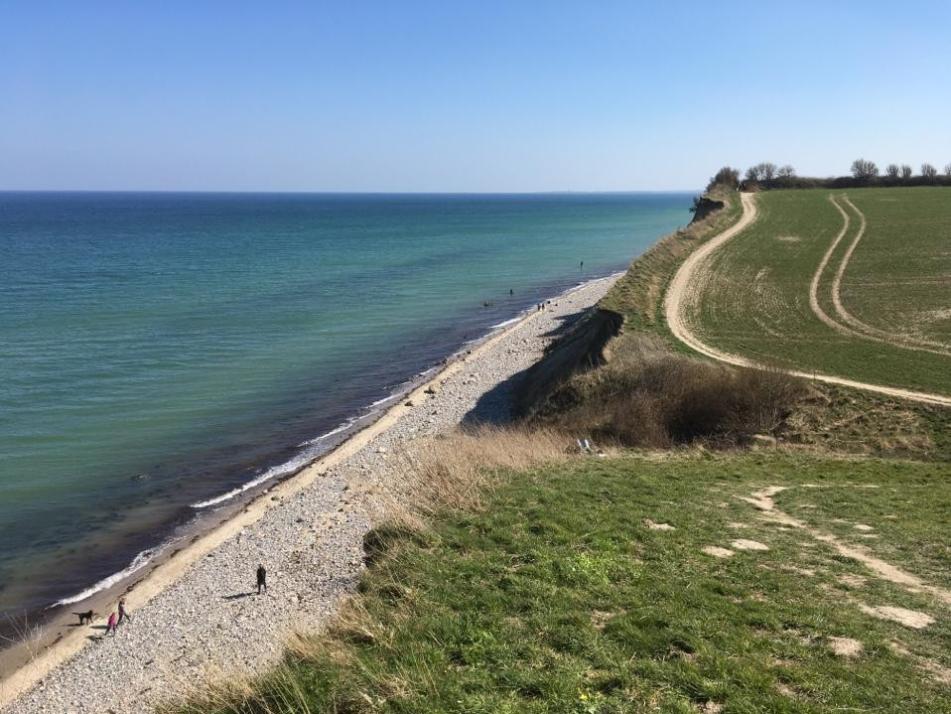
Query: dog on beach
86, 617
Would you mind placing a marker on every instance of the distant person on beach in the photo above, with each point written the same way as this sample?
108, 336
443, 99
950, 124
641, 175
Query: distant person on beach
111, 624
262, 579
511, 292
582, 265
123, 613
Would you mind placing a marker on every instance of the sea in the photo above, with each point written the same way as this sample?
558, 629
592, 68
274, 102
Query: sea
165, 355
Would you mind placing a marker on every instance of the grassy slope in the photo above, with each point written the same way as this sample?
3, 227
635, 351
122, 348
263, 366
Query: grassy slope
756, 302
639, 295
559, 598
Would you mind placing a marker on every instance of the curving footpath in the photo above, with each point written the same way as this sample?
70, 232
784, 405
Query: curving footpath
684, 286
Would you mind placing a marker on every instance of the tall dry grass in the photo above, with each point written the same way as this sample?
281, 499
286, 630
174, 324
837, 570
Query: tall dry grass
453, 471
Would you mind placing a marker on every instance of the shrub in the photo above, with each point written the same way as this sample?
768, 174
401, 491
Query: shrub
647, 396
727, 176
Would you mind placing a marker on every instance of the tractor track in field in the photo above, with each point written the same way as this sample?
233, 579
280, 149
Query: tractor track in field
687, 285
863, 329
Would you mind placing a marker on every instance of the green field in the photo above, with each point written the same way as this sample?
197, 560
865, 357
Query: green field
755, 301
563, 595
899, 279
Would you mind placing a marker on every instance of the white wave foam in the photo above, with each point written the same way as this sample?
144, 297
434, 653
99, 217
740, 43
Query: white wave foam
378, 402
273, 472
139, 562
336, 430
506, 323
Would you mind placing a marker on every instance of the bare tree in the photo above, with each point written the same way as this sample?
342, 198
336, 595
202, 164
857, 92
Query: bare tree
864, 170
753, 174
788, 171
892, 171
928, 171
947, 170
768, 171
905, 171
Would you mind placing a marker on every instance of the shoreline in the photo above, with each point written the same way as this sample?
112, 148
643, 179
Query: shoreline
169, 569
210, 510
221, 479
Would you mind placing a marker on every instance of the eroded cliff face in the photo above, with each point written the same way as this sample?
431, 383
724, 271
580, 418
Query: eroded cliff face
580, 346
706, 206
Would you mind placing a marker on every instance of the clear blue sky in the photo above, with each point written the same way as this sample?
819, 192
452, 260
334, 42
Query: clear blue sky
459, 96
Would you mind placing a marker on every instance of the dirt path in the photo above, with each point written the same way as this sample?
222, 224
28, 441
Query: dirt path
865, 330
686, 286
763, 502
817, 277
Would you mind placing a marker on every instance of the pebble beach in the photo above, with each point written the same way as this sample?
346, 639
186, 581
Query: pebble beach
199, 617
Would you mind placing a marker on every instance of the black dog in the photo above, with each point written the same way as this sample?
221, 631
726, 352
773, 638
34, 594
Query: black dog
85, 617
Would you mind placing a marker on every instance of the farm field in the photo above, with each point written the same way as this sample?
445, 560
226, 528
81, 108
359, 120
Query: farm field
853, 283
909, 296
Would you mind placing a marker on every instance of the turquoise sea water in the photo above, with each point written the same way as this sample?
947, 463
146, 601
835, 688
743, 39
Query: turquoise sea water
158, 352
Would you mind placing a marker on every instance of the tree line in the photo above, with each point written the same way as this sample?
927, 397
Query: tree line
767, 175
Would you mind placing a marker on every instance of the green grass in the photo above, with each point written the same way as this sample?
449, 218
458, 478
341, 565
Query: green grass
838, 419
557, 597
638, 295
900, 277
757, 304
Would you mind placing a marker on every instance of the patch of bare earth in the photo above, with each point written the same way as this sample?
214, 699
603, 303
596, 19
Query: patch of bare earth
845, 646
600, 618
808, 572
717, 552
786, 691
909, 618
743, 544
658, 526
938, 672
852, 581
763, 501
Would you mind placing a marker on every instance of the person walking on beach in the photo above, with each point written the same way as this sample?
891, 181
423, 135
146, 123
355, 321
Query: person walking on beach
262, 579
123, 613
111, 624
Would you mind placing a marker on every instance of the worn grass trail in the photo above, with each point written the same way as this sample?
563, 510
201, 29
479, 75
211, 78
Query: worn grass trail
653, 584
846, 323
769, 291
909, 253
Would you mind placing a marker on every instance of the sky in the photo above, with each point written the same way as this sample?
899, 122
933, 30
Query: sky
463, 96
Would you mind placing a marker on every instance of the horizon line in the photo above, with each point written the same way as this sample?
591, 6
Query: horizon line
349, 192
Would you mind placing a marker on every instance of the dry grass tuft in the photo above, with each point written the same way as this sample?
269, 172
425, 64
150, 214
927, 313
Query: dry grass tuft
453, 471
